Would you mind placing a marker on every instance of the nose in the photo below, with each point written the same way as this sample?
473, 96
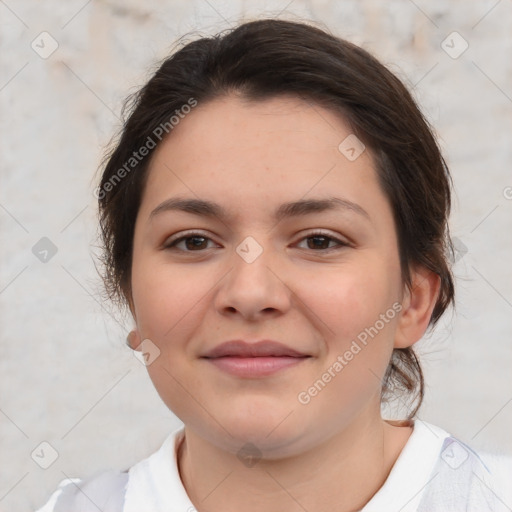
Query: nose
253, 289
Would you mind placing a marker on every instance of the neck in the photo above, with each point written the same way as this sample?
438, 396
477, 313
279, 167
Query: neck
341, 474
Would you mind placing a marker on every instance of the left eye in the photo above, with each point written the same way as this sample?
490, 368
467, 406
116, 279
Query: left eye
321, 241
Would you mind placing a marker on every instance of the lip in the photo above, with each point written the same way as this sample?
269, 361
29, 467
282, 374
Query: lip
263, 348
258, 359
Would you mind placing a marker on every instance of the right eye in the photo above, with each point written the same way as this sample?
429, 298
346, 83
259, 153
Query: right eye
193, 242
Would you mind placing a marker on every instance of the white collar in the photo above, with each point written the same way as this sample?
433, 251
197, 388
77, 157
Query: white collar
404, 487
155, 484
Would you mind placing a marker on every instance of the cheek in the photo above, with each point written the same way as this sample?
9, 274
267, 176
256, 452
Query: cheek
171, 301
347, 300
355, 306
358, 319
167, 300
162, 295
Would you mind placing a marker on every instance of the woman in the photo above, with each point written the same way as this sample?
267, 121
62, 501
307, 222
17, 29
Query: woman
274, 215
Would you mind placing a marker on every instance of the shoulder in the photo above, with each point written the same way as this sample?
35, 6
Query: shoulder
498, 469
104, 491
113, 491
463, 476
436, 472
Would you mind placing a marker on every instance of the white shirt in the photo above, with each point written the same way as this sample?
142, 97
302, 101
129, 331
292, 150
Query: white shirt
435, 472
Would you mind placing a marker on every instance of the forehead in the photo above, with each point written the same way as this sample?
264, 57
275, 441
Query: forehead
251, 154
232, 126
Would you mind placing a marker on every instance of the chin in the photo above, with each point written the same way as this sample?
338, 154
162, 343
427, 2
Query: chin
271, 429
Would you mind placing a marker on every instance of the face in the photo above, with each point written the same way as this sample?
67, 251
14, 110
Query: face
275, 261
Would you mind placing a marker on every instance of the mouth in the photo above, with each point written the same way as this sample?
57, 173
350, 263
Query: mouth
252, 360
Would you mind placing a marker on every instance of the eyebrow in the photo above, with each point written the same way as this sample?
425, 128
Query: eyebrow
286, 210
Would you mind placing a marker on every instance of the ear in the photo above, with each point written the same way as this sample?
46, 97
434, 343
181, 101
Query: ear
133, 340
417, 307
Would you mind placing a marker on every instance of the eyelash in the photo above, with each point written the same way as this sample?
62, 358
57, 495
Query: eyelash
195, 234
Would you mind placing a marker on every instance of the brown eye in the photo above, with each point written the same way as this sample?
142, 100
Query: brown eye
323, 242
194, 242
318, 242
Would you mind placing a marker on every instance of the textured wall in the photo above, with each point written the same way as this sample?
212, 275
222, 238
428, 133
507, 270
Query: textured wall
66, 376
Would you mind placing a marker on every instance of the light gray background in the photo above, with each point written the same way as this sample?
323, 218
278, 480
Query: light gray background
66, 375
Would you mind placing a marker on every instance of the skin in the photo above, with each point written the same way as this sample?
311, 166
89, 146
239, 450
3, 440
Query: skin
336, 451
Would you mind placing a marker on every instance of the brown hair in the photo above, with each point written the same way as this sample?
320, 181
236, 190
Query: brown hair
268, 58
